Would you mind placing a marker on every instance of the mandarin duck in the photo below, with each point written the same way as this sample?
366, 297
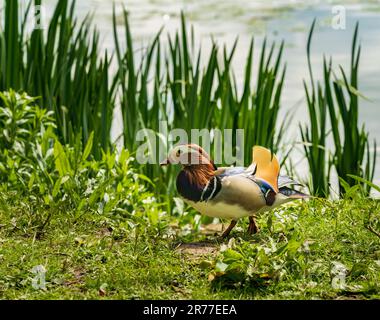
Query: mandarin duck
231, 192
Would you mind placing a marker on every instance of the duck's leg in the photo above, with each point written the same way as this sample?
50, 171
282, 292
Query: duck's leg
228, 230
252, 228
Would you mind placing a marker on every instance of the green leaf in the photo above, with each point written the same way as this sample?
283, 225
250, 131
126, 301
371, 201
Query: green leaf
220, 266
56, 187
88, 148
61, 162
31, 181
353, 90
231, 256
360, 179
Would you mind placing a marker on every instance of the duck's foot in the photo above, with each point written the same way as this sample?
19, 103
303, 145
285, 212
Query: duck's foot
252, 228
228, 230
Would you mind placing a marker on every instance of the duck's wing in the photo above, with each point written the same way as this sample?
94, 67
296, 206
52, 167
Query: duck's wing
241, 190
263, 172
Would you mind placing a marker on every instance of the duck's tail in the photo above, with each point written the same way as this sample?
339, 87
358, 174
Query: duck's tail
293, 194
285, 185
266, 169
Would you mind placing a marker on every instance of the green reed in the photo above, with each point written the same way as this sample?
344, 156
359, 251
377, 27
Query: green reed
174, 84
178, 83
63, 66
256, 109
352, 154
339, 99
314, 135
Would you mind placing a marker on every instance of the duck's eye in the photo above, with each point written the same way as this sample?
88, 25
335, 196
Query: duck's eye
178, 152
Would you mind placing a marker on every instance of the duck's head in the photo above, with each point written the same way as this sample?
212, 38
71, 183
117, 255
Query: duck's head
197, 169
189, 156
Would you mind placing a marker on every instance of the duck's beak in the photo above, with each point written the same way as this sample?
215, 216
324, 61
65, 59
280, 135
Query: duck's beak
165, 162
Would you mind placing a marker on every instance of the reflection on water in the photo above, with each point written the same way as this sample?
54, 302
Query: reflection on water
277, 19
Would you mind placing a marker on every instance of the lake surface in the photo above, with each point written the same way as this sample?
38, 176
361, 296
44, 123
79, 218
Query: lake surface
287, 20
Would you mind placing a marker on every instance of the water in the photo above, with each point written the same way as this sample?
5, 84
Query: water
286, 19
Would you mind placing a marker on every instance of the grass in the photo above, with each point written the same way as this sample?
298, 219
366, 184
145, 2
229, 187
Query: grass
99, 259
